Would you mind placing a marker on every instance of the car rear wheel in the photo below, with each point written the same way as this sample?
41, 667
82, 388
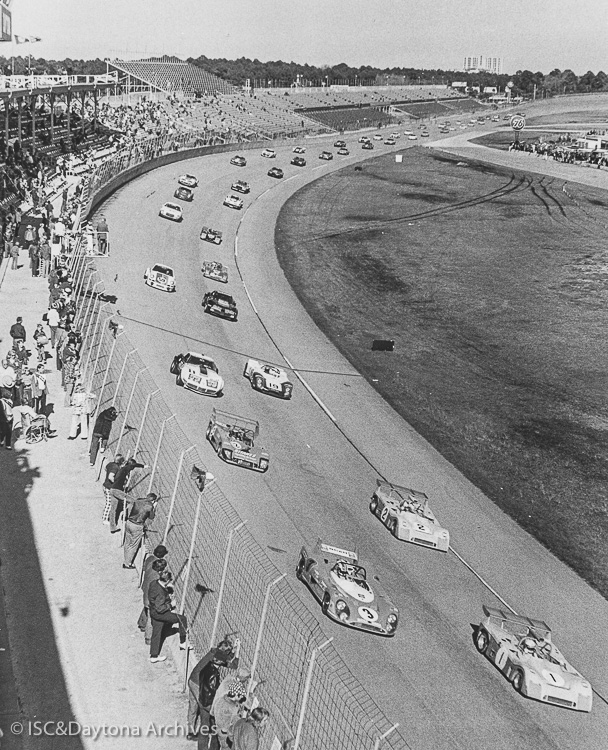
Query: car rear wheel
325, 603
227, 455
178, 379
393, 527
518, 680
173, 369
258, 382
300, 568
263, 466
373, 505
482, 641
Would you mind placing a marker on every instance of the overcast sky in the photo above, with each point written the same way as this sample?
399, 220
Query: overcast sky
533, 34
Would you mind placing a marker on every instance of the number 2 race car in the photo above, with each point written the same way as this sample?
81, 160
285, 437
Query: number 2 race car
406, 514
340, 584
233, 439
160, 277
522, 650
268, 378
197, 373
213, 270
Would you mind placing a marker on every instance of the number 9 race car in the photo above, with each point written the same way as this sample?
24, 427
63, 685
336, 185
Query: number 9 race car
198, 373
268, 378
406, 514
160, 277
340, 584
522, 650
233, 439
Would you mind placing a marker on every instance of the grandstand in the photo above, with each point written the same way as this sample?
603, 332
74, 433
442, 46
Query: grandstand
351, 118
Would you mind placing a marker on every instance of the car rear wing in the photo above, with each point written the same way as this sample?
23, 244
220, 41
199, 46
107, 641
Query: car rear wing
403, 493
537, 628
227, 420
338, 552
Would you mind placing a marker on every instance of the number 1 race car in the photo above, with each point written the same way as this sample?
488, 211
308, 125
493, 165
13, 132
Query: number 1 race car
340, 584
197, 373
233, 439
522, 650
171, 211
268, 378
188, 180
160, 277
211, 235
406, 514
223, 305
213, 270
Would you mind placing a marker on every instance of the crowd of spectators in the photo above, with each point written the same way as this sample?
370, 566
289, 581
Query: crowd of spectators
564, 149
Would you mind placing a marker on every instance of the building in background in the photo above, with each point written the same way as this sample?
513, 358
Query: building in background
483, 64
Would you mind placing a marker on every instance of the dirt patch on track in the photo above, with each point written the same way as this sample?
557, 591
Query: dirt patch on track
494, 286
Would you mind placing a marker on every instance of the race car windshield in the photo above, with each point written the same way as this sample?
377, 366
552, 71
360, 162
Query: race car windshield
273, 372
350, 571
162, 269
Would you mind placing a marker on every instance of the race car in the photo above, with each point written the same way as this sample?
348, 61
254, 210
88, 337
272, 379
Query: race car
233, 439
395, 135
183, 194
367, 146
389, 142
343, 152
269, 153
298, 161
239, 161
220, 304
216, 271
233, 201
171, 211
211, 235
339, 144
327, 155
412, 137
197, 373
406, 514
299, 150
521, 648
275, 172
377, 137
160, 277
341, 585
268, 378
424, 134
363, 139
240, 187
188, 180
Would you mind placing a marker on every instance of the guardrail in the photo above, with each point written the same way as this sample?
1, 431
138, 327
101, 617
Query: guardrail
225, 582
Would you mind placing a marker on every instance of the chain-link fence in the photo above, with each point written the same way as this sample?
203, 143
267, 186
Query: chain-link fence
224, 581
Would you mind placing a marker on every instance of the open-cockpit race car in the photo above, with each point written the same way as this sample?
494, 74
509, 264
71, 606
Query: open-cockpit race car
233, 439
342, 587
214, 270
171, 211
233, 201
184, 193
188, 180
211, 235
406, 514
197, 373
160, 277
240, 186
220, 304
522, 649
268, 378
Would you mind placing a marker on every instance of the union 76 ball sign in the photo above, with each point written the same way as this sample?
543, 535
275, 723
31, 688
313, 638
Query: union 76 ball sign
517, 122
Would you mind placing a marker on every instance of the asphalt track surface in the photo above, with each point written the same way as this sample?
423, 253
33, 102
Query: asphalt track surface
326, 453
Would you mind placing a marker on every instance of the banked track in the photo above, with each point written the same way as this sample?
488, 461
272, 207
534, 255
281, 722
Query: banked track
429, 678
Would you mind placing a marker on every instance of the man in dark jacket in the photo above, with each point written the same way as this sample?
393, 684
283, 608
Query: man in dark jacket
139, 514
161, 614
111, 468
101, 432
17, 330
118, 490
224, 655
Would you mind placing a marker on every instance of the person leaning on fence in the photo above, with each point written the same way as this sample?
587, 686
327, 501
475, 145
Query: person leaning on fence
118, 490
144, 623
111, 468
162, 614
246, 732
226, 711
101, 432
139, 513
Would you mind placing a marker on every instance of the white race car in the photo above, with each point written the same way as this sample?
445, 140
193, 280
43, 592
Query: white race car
269, 153
233, 201
171, 211
211, 235
406, 514
240, 186
268, 378
213, 270
299, 150
160, 277
188, 180
197, 373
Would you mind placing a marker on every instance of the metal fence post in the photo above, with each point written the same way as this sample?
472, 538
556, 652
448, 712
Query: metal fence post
143, 421
191, 552
78, 315
220, 595
258, 643
92, 342
99, 351
122, 372
124, 421
80, 278
174, 494
105, 377
160, 440
311, 666
384, 736
86, 318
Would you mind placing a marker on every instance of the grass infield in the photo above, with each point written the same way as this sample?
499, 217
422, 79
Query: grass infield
494, 285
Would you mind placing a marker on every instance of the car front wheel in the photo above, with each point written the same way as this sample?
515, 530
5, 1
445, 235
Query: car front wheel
482, 641
258, 382
325, 603
518, 680
373, 505
300, 568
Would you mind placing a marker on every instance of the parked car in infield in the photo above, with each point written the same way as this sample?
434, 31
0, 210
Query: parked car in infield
211, 235
299, 150
171, 211
239, 161
367, 146
184, 194
197, 373
522, 649
160, 277
188, 180
233, 439
298, 161
240, 186
233, 201
268, 378
275, 172
406, 514
215, 271
220, 304
326, 155
341, 585
269, 153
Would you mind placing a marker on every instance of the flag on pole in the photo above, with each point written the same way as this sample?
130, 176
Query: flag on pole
24, 39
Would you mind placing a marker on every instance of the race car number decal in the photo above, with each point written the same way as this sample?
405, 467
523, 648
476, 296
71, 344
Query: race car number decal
384, 514
553, 678
367, 614
422, 527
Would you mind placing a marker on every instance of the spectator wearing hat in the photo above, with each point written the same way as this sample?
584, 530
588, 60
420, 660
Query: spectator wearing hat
246, 732
29, 235
45, 255
101, 432
41, 340
162, 614
206, 671
17, 330
139, 513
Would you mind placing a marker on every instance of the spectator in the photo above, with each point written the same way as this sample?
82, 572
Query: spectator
6, 422
52, 319
144, 623
59, 230
118, 490
246, 732
17, 330
101, 432
81, 402
102, 235
161, 614
111, 469
69, 372
39, 390
223, 655
15, 256
27, 384
138, 514
34, 257
45, 256
29, 235
41, 340
226, 711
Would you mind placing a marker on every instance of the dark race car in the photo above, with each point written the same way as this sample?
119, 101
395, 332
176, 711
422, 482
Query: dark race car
220, 304
211, 235
275, 172
298, 161
184, 193
240, 187
239, 161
